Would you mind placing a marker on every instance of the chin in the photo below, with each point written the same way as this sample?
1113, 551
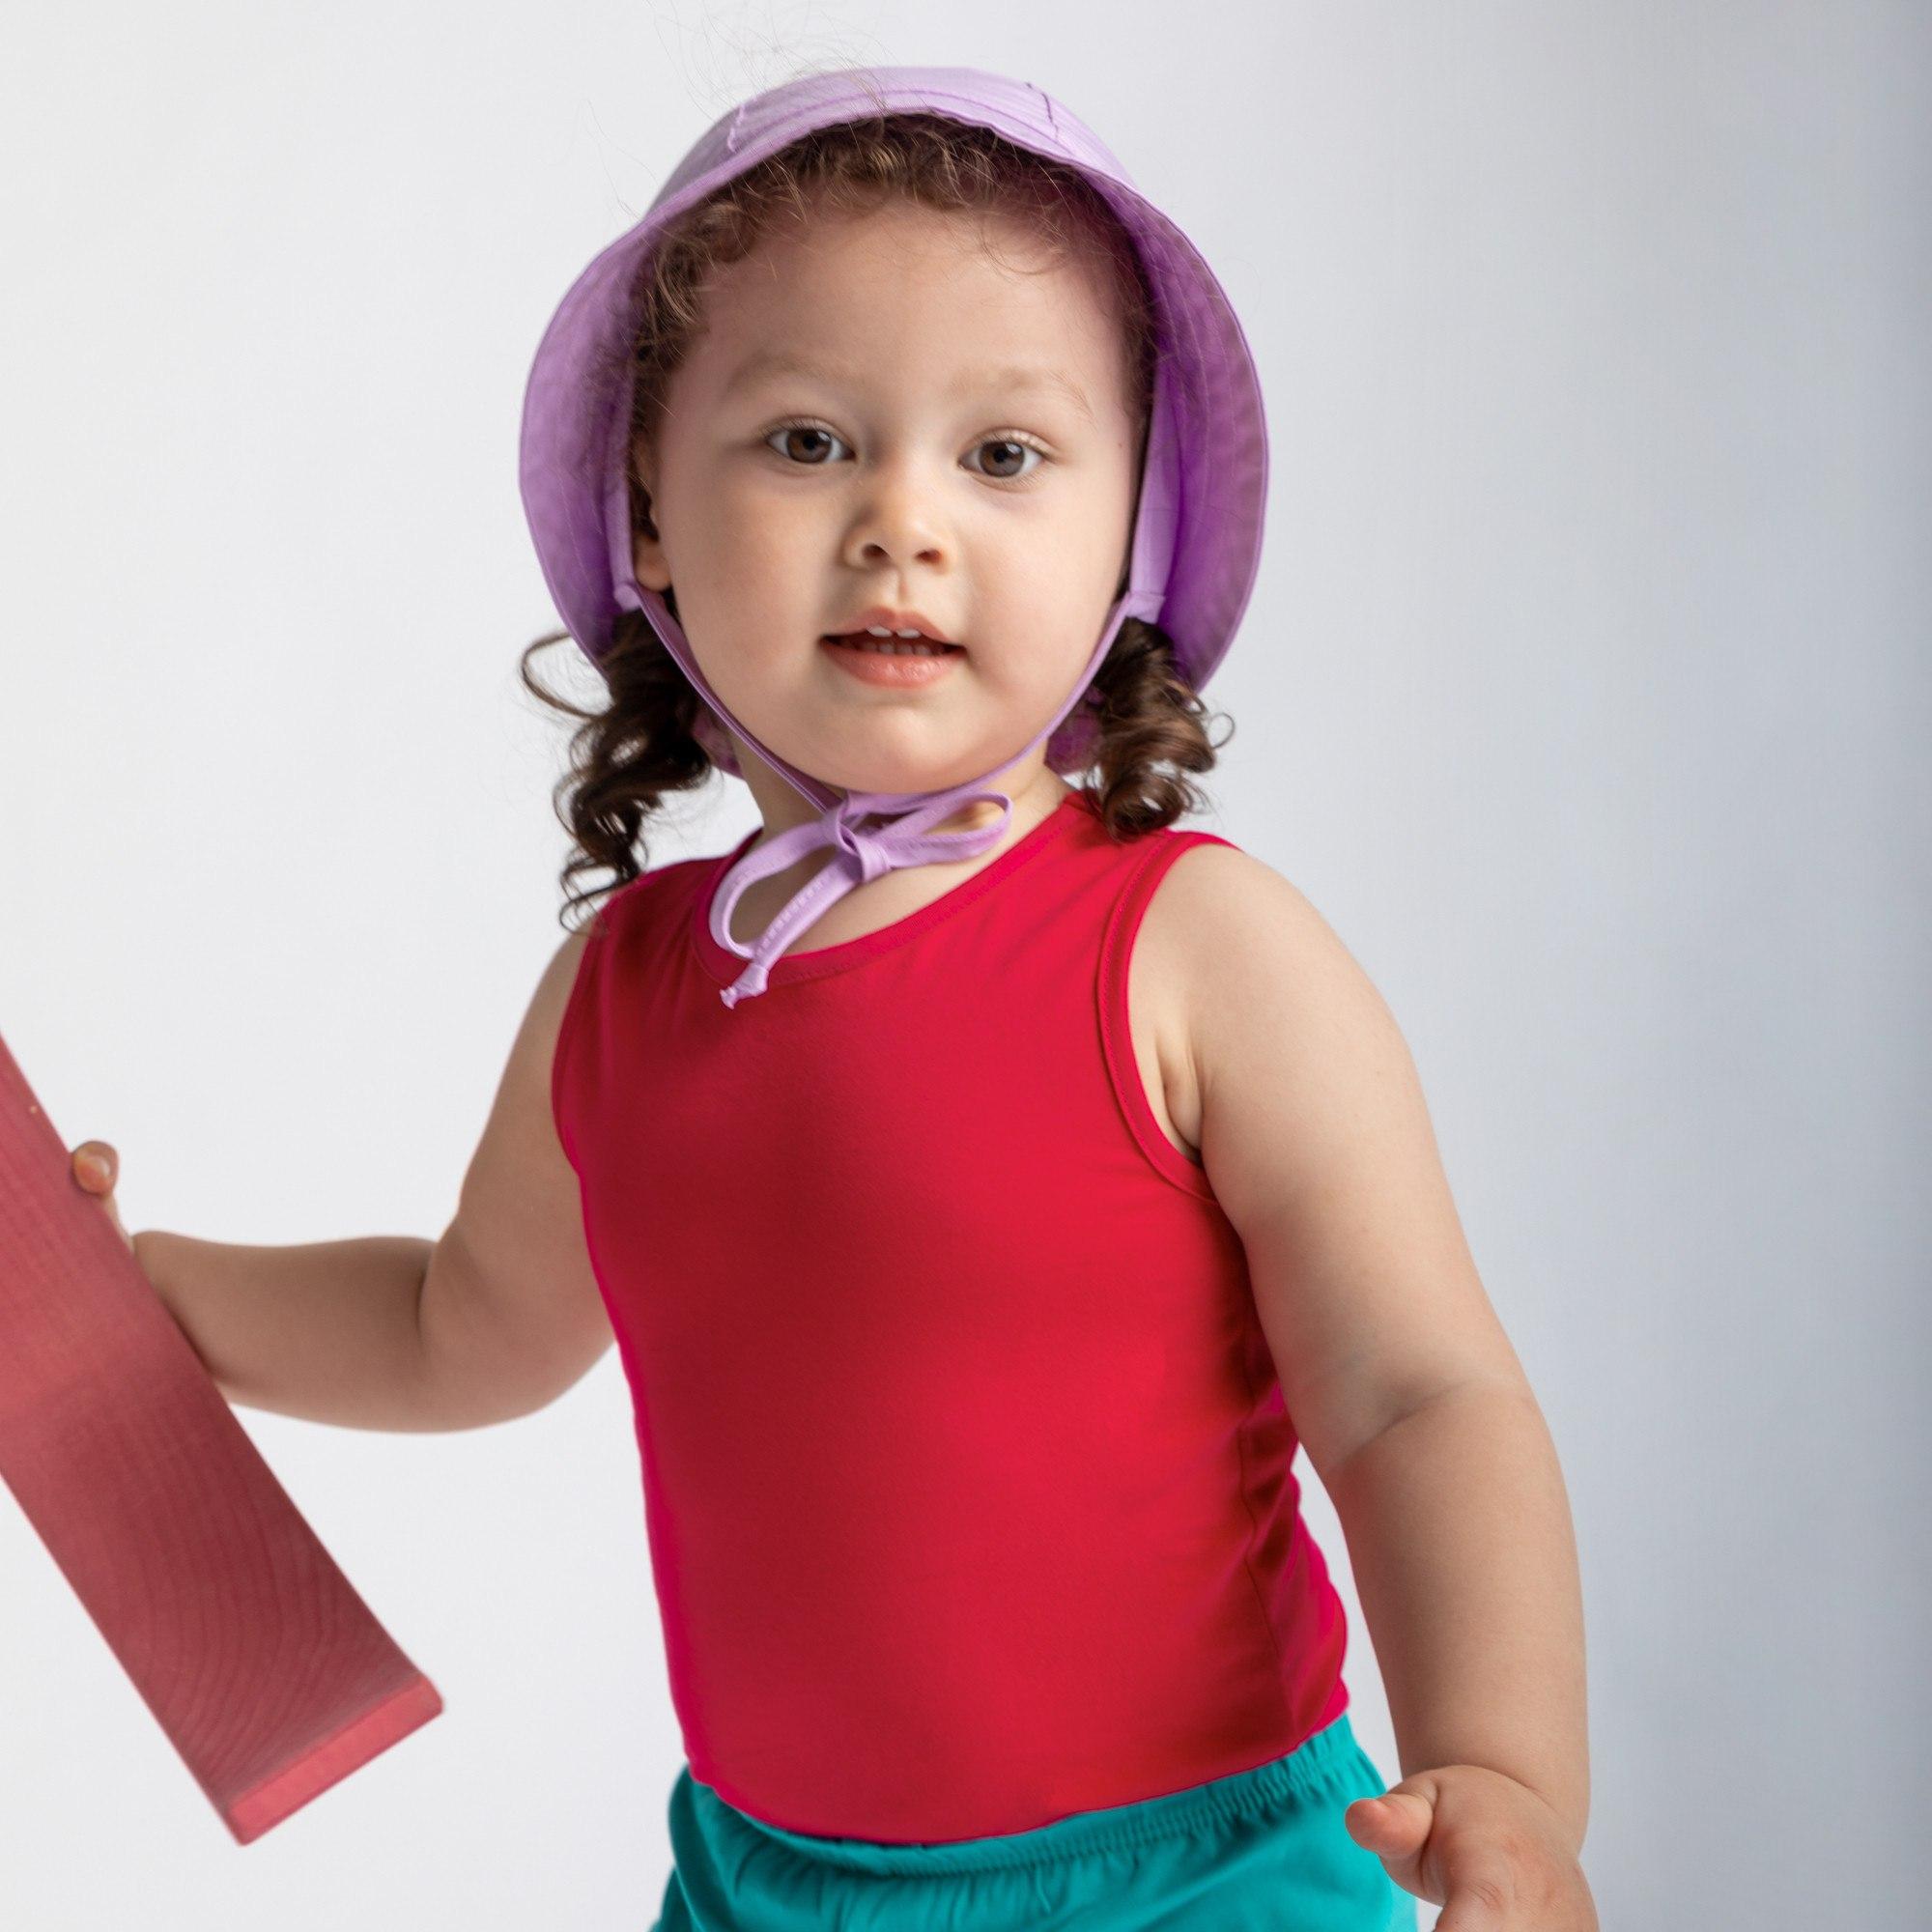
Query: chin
902, 773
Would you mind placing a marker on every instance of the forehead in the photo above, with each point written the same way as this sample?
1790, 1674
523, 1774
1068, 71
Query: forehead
773, 365
972, 300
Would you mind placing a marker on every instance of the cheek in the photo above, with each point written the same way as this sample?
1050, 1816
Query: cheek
772, 531
744, 585
1031, 652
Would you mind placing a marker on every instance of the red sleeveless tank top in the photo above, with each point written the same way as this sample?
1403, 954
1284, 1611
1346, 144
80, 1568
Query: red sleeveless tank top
965, 1463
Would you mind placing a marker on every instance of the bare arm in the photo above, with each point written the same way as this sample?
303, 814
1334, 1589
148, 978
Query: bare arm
1402, 1384
493, 1319
325, 1330
512, 1315
1460, 1535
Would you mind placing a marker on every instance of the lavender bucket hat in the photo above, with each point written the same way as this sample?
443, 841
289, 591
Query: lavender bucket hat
1202, 490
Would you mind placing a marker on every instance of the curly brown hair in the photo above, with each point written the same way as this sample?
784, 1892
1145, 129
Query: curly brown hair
1138, 726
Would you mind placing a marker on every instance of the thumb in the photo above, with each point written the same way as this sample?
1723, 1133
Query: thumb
1395, 1825
96, 1165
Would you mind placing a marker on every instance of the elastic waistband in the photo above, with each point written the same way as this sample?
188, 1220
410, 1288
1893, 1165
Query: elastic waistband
1239, 1795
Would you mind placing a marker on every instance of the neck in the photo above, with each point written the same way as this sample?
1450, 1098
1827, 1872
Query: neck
1035, 789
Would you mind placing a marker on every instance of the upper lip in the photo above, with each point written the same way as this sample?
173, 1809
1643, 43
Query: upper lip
893, 620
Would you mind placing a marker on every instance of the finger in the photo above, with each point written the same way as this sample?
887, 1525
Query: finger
1393, 1825
94, 1166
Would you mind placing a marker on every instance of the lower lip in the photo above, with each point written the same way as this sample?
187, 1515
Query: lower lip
904, 670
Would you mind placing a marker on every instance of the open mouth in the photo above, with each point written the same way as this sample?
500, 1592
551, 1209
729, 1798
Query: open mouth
891, 647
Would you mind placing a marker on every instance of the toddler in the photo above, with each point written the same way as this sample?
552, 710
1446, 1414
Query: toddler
988, 1186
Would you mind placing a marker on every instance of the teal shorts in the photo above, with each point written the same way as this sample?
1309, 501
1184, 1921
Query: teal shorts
1264, 1850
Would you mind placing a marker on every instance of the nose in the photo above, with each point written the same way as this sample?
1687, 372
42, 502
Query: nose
896, 520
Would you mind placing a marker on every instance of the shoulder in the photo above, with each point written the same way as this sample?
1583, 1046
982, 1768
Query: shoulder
1280, 1026
1237, 923
1234, 924
638, 898
619, 916
557, 993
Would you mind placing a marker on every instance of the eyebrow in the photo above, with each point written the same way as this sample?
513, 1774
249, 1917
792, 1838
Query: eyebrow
768, 362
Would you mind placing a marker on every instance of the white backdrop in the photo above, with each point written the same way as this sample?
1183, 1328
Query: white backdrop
1584, 690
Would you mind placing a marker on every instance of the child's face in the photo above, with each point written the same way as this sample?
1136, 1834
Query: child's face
903, 490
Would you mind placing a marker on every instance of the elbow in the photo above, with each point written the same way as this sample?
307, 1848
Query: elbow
1404, 1407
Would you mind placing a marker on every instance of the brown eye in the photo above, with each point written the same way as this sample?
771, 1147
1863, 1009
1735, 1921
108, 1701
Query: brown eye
793, 433
1011, 454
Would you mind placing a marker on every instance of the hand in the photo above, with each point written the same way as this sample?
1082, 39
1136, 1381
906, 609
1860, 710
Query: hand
94, 1164
1486, 1848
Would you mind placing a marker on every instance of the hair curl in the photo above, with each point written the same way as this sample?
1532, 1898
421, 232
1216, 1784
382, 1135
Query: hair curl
1138, 726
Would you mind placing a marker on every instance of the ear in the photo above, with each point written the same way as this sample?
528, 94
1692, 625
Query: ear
647, 561
647, 551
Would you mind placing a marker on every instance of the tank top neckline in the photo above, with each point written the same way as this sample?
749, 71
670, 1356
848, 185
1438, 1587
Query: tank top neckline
724, 965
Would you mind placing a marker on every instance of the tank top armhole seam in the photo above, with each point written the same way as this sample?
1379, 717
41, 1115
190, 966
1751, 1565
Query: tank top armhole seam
1116, 959
569, 1023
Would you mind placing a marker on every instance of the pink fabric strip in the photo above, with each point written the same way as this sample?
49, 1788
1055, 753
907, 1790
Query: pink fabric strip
265, 1670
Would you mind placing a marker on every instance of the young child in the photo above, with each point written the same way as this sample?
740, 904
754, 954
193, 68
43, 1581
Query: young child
986, 1205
